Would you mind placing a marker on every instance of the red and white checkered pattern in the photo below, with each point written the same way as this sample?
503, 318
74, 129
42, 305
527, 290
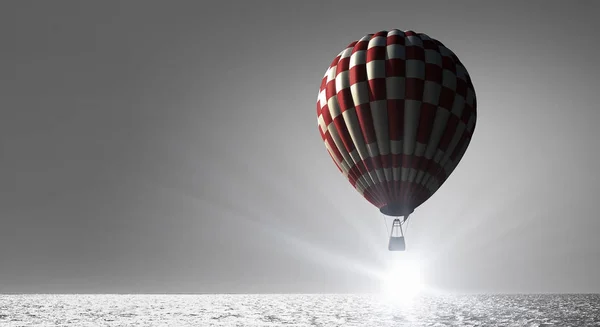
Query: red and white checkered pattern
396, 111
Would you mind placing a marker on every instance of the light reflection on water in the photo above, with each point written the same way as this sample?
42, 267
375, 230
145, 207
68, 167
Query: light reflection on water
298, 310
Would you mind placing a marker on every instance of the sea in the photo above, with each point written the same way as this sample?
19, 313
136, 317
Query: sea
328, 310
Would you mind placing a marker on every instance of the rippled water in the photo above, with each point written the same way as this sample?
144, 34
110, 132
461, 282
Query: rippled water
298, 310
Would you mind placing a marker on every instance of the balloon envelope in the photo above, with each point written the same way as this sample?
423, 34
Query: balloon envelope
396, 111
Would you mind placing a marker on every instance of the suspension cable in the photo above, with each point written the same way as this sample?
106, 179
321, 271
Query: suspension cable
401, 230
407, 221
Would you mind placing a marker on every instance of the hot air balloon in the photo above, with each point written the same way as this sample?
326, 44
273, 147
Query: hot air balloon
396, 111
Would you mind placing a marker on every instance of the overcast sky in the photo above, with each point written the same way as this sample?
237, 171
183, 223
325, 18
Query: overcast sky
172, 146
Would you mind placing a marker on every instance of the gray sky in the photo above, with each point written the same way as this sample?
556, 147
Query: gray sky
172, 146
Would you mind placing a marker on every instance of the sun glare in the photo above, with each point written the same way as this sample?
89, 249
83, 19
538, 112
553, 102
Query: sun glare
403, 281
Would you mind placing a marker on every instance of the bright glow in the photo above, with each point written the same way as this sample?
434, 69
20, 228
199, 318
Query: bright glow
403, 281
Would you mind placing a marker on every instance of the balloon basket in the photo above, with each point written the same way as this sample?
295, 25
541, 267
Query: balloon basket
397, 239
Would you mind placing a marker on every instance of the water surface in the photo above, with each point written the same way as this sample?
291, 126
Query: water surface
298, 310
